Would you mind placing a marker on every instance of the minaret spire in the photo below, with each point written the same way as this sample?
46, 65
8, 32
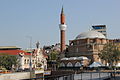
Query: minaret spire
63, 27
62, 16
62, 11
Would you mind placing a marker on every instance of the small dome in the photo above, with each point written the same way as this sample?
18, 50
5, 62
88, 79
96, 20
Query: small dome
82, 58
90, 34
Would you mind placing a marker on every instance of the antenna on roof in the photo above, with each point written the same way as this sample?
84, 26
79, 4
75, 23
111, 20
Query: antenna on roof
90, 28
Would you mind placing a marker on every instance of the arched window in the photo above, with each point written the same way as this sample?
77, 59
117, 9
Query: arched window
28, 61
77, 64
33, 61
25, 61
69, 64
62, 64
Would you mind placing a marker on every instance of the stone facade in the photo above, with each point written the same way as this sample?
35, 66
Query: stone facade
88, 47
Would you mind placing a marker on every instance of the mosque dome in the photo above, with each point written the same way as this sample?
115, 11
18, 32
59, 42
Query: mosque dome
90, 34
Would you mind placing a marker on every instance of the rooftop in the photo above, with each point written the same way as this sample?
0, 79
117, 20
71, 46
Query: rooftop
8, 47
13, 52
90, 34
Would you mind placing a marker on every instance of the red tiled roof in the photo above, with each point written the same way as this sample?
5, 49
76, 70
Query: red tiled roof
13, 52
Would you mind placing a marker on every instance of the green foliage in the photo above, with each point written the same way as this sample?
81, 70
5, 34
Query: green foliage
7, 61
110, 53
53, 55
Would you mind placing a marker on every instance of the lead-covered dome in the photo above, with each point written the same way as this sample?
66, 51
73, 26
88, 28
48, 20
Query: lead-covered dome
90, 34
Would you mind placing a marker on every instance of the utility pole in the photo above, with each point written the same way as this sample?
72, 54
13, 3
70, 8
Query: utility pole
30, 48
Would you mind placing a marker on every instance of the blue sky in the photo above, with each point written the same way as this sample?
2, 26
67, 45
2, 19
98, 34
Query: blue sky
40, 20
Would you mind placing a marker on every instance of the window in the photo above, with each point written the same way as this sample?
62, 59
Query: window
62, 64
33, 61
25, 61
77, 64
69, 64
28, 61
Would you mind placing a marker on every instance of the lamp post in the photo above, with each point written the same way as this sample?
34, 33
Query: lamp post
30, 65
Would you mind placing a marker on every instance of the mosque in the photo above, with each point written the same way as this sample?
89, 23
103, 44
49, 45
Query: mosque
84, 49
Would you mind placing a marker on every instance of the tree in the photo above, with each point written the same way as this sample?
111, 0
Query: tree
53, 59
110, 54
7, 61
53, 55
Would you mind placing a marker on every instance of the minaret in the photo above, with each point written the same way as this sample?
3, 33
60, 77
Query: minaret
62, 27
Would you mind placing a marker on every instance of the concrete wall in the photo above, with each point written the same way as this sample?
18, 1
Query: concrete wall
15, 76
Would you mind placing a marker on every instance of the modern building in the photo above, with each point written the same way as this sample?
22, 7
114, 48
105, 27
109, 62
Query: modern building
101, 29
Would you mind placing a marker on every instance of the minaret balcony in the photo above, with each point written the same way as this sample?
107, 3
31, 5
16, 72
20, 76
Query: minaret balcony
62, 26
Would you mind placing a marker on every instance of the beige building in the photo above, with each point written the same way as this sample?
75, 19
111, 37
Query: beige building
37, 58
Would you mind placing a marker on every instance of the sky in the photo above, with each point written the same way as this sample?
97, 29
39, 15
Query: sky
25, 21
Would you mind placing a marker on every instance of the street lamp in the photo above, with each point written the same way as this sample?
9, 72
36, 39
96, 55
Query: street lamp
30, 56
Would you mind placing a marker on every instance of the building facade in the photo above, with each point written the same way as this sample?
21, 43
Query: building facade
89, 44
101, 29
75, 62
36, 58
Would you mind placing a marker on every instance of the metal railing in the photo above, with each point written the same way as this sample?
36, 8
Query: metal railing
82, 76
